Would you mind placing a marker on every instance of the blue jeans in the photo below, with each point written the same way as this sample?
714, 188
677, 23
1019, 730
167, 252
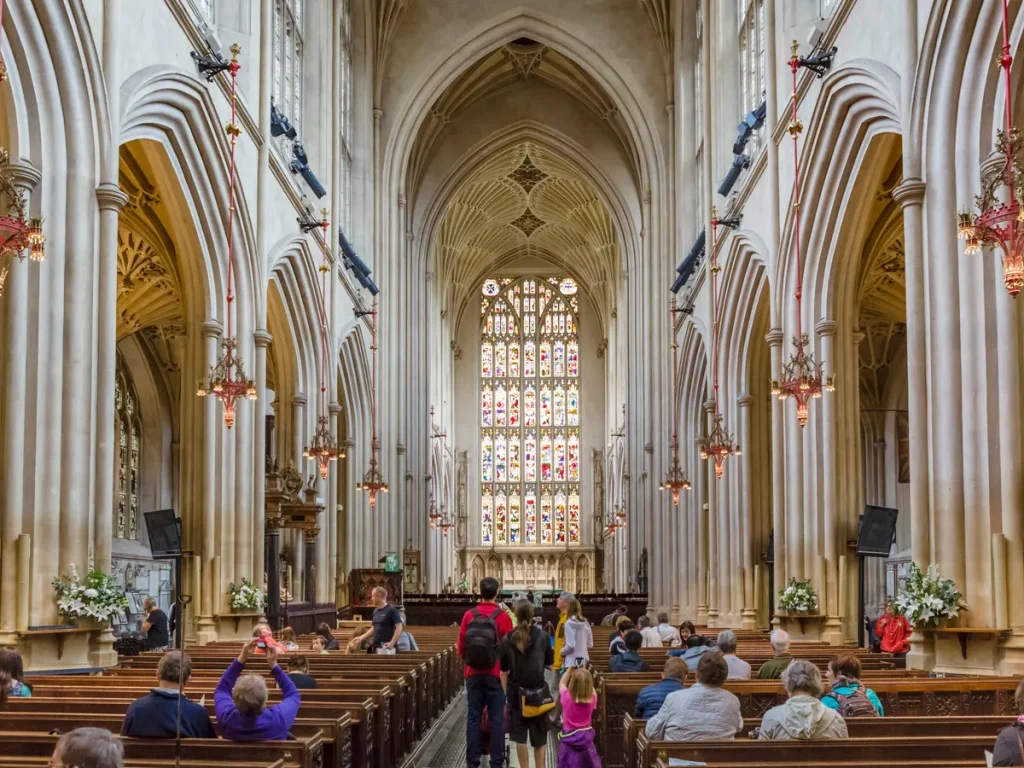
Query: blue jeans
485, 691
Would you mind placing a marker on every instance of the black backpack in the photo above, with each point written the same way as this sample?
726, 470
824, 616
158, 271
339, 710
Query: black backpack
481, 642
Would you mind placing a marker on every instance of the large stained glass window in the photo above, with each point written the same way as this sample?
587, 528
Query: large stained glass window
128, 442
530, 412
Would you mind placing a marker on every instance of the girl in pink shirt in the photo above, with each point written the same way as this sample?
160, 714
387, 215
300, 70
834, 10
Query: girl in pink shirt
576, 743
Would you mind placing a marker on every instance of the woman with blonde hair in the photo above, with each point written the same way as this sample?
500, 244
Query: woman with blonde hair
579, 638
579, 700
288, 639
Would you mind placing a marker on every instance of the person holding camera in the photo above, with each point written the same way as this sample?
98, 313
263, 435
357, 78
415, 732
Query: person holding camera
240, 701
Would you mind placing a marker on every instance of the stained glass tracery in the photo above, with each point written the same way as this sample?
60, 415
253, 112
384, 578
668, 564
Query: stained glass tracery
128, 425
530, 412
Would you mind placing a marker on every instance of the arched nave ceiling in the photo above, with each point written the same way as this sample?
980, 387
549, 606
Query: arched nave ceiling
524, 201
882, 293
149, 295
520, 60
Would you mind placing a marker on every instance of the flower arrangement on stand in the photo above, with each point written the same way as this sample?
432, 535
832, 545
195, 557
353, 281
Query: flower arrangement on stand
927, 598
97, 597
798, 597
245, 596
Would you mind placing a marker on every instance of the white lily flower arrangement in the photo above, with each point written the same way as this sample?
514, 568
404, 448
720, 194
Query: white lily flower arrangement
98, 596
245, 596
927, 598
798, 597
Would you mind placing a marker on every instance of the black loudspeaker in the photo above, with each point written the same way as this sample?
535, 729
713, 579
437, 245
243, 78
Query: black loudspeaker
770, 558
877, 531
164, 532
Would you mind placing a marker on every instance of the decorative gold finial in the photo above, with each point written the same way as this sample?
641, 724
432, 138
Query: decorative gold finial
235, 50
795, 48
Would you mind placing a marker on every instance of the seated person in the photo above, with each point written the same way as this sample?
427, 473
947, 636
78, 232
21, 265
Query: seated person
1007, 749
88, 748
629, 660
12, 669
803, 716
696, 647
685, 630
287, 639
155, 716
651, 637
738, 668
298, 671
847, 695
667, 632
773, 668
618, 641
893, 631
324, 631
406, 642
612, 618
702, 712
650, 699
319, 645
241, 701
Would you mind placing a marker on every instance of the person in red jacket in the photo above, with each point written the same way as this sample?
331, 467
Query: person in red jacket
480, 636
894, 631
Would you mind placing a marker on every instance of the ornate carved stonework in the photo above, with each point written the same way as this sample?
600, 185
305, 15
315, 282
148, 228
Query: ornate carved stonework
528, 222
527, 175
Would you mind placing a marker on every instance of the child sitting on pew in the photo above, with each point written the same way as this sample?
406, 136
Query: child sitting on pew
88, 748
155, 716
12, 675
240, 701
319, 645
298, 672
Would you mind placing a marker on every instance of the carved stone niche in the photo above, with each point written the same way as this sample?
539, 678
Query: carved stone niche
289, 505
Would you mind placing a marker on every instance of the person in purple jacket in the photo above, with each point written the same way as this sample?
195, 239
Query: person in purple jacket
240, 701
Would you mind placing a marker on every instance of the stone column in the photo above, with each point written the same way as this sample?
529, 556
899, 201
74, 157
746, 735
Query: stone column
749, 613
262, 339
16, 304
298, 431
272, 545
826, 330
780, 568
331, 566
211, 603
714, 559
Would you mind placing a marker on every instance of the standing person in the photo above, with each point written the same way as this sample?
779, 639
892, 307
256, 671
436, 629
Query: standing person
773, 668
702, 712
738, 668
562, 603
387, 624
1009, 747
525, 654
240, 701
612, 618
894, 631
13, 669
579, 700
480, 635
669, 634
406, 642
579, 638
650, 699
156, 716
298, 673
88, 748
652, 639
155, 626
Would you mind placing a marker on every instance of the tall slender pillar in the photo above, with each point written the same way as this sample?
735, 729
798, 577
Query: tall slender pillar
833, 533
714, 560
331, 566
262, 339
780, 567
748, 617
211, 603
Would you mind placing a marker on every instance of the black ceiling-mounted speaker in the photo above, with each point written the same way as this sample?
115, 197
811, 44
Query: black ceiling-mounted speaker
164, 532
877, 531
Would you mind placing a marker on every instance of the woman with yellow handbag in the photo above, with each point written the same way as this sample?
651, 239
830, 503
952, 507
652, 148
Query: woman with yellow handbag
525, 654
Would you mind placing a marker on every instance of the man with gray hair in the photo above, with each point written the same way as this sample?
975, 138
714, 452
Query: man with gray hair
668, 633
803, 716
88, 748
773, 668
738, 668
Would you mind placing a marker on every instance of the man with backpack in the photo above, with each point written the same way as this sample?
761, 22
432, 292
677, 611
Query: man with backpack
480, 635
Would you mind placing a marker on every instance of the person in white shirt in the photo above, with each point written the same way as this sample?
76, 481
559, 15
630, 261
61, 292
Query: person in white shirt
579, 638
738, 668
702, 712
669, 634
652, 639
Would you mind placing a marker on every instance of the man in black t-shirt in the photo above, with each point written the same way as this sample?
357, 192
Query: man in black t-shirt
155, 626
387, 624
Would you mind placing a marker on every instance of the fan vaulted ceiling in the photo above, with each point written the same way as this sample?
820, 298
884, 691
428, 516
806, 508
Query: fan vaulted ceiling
526, 201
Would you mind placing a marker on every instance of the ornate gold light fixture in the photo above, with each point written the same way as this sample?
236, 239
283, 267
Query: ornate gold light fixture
802, 379
717, 446
373, 481
227, 380
18, 233
676, 479
997, 221
433, 515
446, 521
324, 447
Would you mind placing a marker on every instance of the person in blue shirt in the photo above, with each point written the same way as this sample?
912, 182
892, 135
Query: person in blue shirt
650, 699
240, 701
696, 647
629, 660
12, 672
847, 694
155, 716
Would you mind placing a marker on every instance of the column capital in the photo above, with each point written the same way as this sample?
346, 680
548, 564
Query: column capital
909, 192
709, 405
745, 400
212, 328
334, 408
25, 176
377, 114
826, 327
774, 337
858, 336
298, 399
349, 443
262, 338
400, 449
111, 197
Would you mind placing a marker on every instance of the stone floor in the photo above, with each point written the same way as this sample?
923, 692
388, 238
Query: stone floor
447, 745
